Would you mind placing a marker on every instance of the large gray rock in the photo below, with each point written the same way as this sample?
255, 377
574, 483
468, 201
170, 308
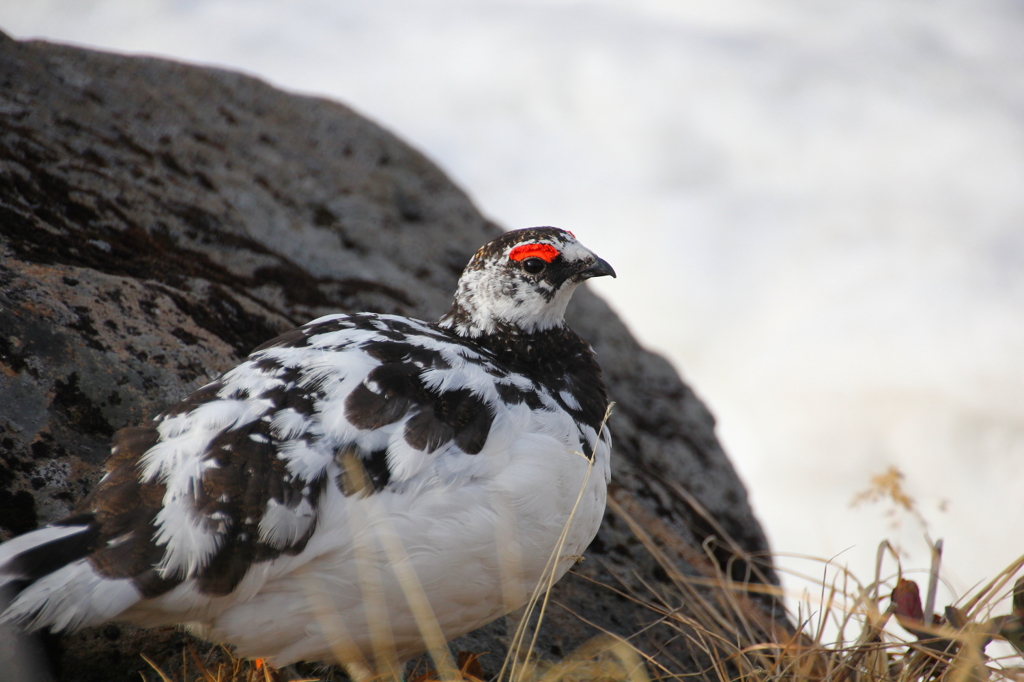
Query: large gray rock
158, 220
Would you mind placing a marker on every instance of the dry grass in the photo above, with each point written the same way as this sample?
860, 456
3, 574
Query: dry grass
851, 632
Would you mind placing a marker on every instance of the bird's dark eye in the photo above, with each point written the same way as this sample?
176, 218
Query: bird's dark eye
534, 266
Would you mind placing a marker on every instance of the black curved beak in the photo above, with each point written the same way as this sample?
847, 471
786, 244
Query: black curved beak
599, 268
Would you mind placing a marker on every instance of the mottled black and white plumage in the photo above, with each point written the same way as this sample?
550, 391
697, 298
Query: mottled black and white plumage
262, 511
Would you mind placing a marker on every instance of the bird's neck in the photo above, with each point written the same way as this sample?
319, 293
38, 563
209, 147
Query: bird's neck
538, 353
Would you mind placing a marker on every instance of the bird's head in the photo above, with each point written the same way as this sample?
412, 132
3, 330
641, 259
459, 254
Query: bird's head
521, 282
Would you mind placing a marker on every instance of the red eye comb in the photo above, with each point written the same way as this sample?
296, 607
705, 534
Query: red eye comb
545, 252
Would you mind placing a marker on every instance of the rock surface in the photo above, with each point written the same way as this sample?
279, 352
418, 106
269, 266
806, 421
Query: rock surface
158, 220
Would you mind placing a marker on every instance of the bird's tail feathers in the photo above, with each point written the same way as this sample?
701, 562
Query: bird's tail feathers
49, 581
31, 556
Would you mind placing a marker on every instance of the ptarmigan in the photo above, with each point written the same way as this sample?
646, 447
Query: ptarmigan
281, 507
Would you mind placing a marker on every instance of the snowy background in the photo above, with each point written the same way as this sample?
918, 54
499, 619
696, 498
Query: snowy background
816, 210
